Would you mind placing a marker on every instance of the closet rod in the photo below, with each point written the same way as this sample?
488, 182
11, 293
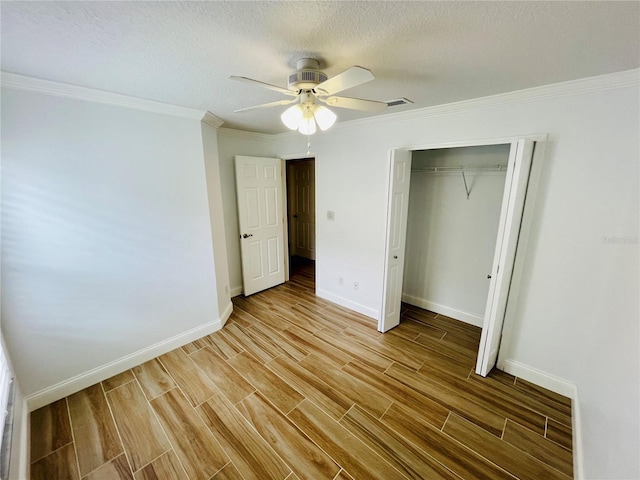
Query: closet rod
485, 168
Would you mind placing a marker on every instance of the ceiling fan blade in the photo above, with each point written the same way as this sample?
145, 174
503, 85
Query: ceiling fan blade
347, 79
267, 105
265, 85
356, 104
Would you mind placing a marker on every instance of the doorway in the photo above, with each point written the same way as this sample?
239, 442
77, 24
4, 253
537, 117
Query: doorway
521, 152
452, 222
301, 215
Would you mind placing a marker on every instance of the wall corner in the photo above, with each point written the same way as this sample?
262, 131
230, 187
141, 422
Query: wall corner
209, 126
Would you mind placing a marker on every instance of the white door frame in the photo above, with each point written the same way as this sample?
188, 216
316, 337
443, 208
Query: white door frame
525, 219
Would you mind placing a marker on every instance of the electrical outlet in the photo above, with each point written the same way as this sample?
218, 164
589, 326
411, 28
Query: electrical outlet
356, 285
341, 281
331, 215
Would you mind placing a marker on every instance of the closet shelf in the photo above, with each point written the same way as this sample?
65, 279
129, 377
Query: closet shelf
462, 170
483, 168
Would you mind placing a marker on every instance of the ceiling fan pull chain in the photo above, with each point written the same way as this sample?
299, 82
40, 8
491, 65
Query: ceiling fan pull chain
308, 144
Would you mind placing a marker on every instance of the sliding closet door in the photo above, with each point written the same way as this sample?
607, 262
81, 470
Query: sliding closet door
508, 231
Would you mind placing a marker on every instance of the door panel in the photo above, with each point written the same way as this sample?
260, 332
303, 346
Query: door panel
271, 206
506, 245
255, 255
253, 213
273, 245
259, 192
400, 177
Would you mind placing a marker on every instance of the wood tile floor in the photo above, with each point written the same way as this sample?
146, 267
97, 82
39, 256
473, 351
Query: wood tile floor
294, 387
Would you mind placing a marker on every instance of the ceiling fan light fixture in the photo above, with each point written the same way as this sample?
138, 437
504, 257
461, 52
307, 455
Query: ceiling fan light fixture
324, 117
309, 85
304, 117
307, 125
292, 117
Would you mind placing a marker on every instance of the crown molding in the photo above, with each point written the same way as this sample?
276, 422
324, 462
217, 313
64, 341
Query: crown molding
210, 119
232, 132
624, 79
57, 89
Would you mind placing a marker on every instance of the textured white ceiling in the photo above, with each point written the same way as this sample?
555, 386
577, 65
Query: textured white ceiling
433, 53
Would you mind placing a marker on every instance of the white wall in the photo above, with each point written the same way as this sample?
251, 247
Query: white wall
577, 313
216, 216
451, 238
230, 144
106, 238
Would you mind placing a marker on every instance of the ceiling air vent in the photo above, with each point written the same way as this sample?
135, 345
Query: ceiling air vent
399, 101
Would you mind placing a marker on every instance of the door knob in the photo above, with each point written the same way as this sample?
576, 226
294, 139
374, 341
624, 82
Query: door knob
488, 276
395, 256
247, 235
295, 216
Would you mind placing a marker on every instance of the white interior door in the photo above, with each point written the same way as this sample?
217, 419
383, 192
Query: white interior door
515, 191
302, 207
400, 176
259, 189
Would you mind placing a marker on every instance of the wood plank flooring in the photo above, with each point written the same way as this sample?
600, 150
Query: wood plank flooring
294, 387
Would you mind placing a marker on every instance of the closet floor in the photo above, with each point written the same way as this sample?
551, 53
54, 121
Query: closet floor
295, 387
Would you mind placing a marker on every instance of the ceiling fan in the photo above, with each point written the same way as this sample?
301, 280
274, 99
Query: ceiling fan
308, 85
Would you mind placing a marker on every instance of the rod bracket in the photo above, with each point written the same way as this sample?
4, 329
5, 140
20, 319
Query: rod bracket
466, 188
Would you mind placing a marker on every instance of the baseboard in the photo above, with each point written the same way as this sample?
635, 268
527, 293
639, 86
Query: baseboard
562, 387
86, 379
235, 291
226, 314
345, 302
444, 310
533, 375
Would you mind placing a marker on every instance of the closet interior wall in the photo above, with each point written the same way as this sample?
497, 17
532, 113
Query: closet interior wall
451, 238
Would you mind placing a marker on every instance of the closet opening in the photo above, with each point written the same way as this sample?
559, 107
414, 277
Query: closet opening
454, 218
455, 200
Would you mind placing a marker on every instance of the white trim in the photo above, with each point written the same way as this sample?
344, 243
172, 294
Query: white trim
210, 119
537, 167
576, 430
57, 89
226, 314
20, 458
562, 387
476, 142
533, 375
444, 310
351, 305
235, 291
285, 216
232, 132
86, 379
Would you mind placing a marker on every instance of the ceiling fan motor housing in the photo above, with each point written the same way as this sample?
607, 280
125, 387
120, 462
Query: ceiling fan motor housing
307, 76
